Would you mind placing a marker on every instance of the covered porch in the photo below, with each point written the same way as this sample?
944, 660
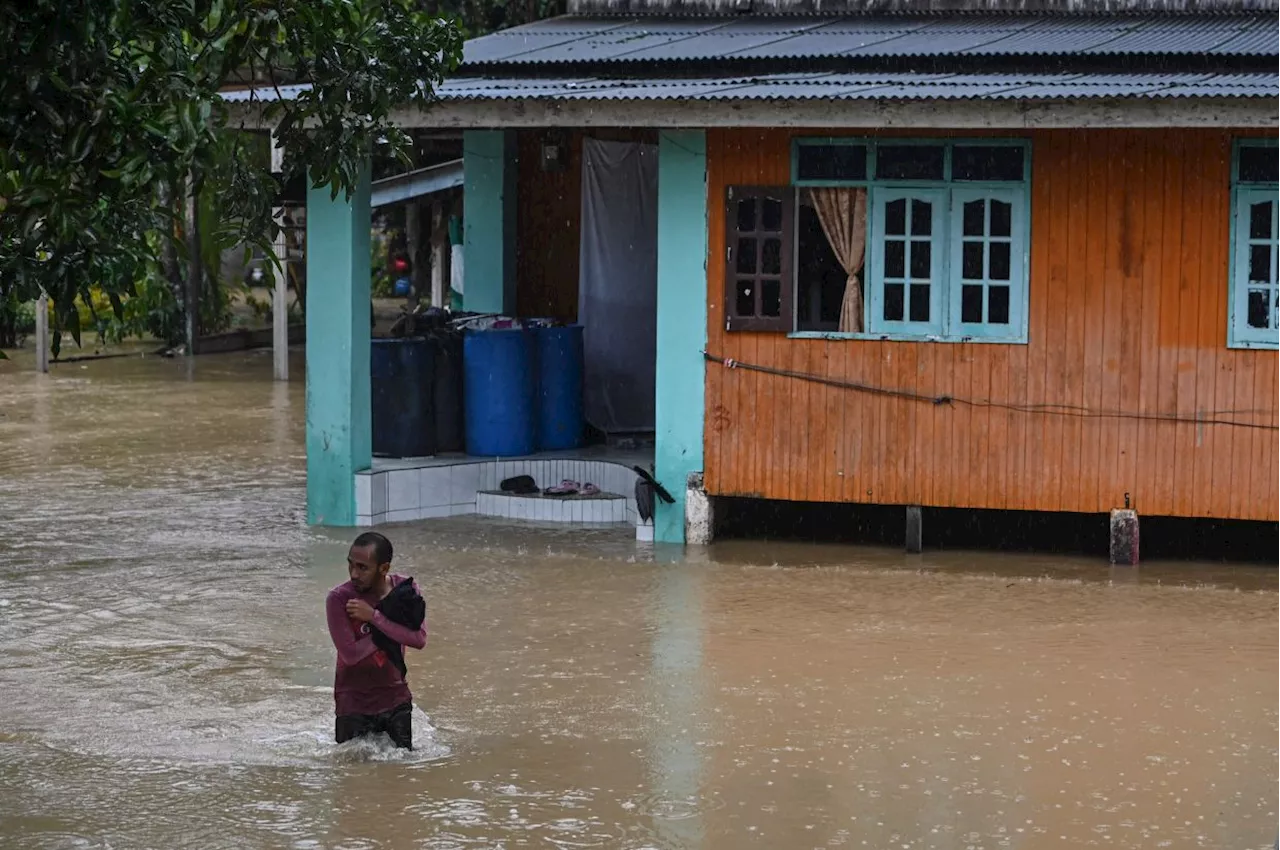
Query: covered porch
537, 243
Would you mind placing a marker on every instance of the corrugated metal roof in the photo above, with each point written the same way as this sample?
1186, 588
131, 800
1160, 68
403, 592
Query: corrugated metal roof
573, 40
264, 93
869, 86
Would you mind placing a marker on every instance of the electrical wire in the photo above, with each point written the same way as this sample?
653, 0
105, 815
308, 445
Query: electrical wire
1058, 409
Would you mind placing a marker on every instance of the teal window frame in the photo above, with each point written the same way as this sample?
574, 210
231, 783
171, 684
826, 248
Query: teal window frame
1243, 196
1017, 239
944, 324
875, 258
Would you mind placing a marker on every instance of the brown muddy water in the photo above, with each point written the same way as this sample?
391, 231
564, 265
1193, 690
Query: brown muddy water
166, 669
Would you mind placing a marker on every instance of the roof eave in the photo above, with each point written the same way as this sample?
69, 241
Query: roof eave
934, 114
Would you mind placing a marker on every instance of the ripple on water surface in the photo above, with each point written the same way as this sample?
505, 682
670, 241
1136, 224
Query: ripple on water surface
167, 670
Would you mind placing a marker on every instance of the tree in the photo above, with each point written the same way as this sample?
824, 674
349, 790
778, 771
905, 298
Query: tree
480, 17
109, 109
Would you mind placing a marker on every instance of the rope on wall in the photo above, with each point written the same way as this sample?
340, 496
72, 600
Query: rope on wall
1212, 417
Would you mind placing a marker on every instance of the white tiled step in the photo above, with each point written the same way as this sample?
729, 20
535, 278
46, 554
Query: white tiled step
450, 489
608, 508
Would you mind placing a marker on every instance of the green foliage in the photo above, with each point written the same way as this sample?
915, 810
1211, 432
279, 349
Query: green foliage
17, 320
381, 283
25, 318
153, 311
109, 107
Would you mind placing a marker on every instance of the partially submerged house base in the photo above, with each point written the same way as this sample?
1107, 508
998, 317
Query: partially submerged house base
990, 260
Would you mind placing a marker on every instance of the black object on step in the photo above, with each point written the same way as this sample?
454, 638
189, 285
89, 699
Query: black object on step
521, 485
646, 487
653, 482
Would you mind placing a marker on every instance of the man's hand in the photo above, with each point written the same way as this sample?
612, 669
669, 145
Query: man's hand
359, 610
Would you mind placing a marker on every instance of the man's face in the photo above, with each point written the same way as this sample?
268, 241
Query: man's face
363, 567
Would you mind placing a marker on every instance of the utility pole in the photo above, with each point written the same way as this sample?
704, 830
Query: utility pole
42, 333
280, 295
191, 294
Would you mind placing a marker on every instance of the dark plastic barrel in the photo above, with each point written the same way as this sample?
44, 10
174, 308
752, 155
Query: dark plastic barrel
560, 422
450, 434
402, 381
498, 392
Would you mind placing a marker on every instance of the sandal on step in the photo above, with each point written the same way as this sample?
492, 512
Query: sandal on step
564, 488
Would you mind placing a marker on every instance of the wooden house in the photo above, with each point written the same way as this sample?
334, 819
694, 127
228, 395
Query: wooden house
970, 257
982, 255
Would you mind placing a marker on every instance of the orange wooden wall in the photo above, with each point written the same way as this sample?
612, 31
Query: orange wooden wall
1128, 312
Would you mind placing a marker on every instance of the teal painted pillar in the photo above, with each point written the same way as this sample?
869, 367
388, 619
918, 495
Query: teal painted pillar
489, 221
339, 426
682, 320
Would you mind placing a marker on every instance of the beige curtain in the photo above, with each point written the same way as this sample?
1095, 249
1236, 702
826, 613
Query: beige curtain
843, 213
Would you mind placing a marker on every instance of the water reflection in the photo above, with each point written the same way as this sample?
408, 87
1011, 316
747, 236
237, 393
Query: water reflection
167, 667
677, 769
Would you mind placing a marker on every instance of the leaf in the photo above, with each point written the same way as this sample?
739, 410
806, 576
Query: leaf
73, 325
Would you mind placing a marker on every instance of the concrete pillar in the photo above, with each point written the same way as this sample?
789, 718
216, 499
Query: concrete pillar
417, 258
339, 424
915, 530
280, 273
699, 513
439, 254
42, 333
682, 322
489, 229
1124, 537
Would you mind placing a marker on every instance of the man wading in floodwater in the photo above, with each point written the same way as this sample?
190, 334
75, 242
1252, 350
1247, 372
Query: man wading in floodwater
371, 618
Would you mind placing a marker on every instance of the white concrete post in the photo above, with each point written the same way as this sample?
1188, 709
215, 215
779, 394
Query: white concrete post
280, 295
42, 333
1124, 536
413, 245
699, 515
439, 255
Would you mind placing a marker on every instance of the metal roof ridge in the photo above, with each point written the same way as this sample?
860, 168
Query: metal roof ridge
887, 39
925, 30
1031, 24
1136, 28
619, 57
567, 40
1227, 39
804, 32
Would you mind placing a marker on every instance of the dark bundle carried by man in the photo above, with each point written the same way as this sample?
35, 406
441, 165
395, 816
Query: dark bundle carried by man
405, 606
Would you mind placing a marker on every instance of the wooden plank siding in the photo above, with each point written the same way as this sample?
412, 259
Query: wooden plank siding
549, 221
1128, 312
548, 227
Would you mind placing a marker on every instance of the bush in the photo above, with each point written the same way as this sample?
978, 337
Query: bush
24, 319
381, 284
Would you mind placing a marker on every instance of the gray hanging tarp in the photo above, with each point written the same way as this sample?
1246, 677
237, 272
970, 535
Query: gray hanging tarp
618, 284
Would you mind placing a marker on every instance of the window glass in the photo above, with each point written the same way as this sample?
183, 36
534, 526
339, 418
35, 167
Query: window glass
1258, 164
910, 162
989, 163
831, 162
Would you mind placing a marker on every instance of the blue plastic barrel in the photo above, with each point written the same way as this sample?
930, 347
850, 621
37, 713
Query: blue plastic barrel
402, 382
559, 415
498, 392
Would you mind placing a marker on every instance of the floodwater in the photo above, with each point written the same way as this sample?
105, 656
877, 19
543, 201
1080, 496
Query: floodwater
166, 669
